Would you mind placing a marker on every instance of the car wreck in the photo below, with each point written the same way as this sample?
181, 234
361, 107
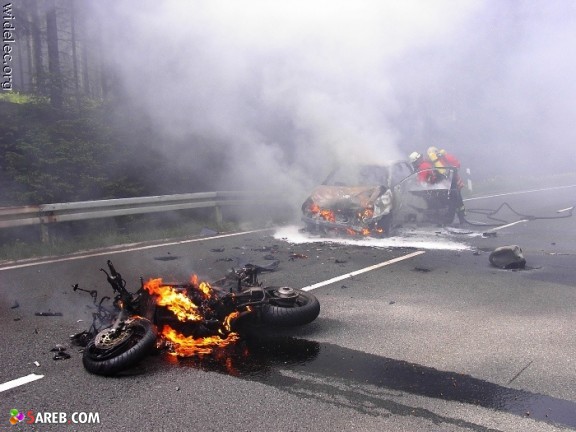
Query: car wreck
374, 200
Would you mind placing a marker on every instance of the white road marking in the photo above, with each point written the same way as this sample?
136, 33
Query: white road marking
364, 270
507, 225
19, 381
137, 248
565, 210
520, 192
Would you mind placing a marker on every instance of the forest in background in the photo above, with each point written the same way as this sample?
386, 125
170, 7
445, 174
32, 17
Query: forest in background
67, 132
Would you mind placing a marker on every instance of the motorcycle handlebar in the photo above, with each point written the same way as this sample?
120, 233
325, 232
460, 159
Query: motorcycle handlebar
113, 271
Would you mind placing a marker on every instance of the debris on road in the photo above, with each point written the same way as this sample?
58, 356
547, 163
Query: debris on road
46, 314
166, 258
60, 352
294, 256
422, 269
508, 257
15, 305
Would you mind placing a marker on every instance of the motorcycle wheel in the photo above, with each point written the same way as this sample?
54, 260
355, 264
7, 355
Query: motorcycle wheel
108, 354
303, 310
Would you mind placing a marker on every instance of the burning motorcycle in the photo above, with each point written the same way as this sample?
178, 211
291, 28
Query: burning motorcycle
194, 318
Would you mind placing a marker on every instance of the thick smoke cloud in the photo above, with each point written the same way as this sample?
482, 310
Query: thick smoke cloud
287, 89
284, 90
499, 93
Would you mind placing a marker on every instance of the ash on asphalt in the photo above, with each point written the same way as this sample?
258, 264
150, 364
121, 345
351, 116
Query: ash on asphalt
263, 358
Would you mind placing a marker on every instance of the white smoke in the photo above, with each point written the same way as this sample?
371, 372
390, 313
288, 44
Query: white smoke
288, 88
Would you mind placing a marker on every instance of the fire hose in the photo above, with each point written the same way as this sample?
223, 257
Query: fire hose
489, 213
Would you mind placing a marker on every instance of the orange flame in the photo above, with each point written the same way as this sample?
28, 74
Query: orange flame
178, 303
187, 346
184, 308
327, 215
362, 215
202, 286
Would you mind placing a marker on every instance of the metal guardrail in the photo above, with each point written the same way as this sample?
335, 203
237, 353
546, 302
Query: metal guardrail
64, 212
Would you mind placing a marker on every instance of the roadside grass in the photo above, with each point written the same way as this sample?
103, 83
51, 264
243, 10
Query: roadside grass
20, 98
99, 235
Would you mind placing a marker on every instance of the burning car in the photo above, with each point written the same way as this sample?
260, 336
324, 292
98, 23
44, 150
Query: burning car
373, 200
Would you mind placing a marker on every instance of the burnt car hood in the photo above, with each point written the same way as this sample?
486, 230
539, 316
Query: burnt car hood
342, 197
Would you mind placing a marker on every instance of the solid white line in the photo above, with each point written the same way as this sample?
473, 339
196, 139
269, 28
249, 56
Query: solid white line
507, 225
110, 252
19, 381
565, 210
364, 270
520, 192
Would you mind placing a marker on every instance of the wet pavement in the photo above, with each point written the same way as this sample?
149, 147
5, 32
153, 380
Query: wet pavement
440, 342
273, 360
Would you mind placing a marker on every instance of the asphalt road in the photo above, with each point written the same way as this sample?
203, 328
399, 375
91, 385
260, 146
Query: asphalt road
433, 338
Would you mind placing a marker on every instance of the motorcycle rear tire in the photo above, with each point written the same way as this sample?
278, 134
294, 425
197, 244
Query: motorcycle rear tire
110, 361
305, 310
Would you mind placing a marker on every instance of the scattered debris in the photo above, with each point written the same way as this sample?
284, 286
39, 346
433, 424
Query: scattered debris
488, 234
166, 258
48, 314
476, 252
17, 319
422, 269
263, 249
217, 250
225, 259
61, 353
340, 261
37, 364
294, 256
15, 305
392, 302
508, 257
269, 257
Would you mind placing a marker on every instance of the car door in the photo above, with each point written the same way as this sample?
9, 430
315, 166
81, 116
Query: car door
401, 175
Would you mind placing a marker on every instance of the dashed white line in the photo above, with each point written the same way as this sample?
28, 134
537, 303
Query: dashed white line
364, 270
137, 248
19, 381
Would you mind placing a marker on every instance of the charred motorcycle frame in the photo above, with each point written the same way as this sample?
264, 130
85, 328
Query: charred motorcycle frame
194, 317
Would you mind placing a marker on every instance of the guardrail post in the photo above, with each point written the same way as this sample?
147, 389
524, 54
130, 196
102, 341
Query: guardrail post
218, 214
44, 233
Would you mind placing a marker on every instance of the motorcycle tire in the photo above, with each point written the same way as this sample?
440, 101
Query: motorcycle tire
126, 351
305, 309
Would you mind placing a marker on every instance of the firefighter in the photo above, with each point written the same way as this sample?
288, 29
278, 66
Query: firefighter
441, 159
424, 168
